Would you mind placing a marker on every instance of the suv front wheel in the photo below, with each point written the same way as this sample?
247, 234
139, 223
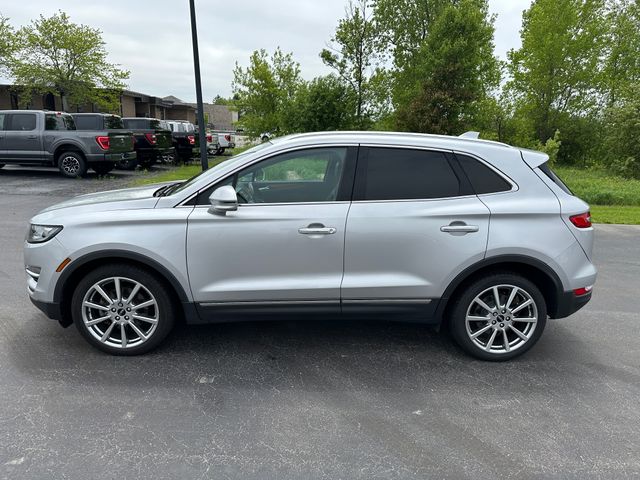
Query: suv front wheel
122, 309
498, 317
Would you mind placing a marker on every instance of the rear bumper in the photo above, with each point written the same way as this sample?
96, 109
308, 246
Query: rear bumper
569, 303
111, 157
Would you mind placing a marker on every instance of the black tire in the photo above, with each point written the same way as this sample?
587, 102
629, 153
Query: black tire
146, 162
219, 151
72, 164
103, 168
2, 165
501, 321
164, 310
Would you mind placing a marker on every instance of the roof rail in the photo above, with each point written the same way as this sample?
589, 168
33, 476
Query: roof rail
473, 135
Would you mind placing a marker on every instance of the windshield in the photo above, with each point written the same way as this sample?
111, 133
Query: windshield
179, 187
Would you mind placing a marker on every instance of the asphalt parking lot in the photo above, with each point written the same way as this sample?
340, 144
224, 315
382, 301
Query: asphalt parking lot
315, 400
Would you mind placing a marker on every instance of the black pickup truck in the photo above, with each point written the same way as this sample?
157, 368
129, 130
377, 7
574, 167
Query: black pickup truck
185, 139
113, 124
38, 137
153, 140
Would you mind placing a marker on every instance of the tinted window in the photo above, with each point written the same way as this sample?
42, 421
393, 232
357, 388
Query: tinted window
87, 122
58, 122
142, 123
555, 178
113, 122
22, 121
302, 176
482, 178
398, 174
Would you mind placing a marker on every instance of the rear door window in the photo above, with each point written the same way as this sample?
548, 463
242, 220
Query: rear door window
404, 174
54, 121
22, 122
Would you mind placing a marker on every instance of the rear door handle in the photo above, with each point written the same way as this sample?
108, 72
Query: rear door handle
317, 230
32, 137
459, 228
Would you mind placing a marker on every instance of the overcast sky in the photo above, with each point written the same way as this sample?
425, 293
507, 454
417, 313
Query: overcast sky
152, 38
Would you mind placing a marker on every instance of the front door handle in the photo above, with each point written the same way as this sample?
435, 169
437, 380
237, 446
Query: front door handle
317, 229
459, 228
32, 137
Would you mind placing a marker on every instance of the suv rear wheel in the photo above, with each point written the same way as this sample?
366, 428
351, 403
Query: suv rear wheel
72, 164
122, 309
498, 317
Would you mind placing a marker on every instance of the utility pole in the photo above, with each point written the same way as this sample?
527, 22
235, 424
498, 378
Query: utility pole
196, 68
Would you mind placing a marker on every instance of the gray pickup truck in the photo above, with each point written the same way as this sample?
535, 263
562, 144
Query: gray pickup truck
34, 137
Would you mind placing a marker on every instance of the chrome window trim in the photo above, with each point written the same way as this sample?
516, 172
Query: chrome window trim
266, 157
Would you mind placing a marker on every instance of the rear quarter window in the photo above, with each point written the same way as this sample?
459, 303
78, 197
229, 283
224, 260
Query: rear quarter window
483, 179
546, 169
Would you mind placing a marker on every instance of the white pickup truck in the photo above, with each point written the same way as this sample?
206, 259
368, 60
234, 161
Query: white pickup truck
225, 140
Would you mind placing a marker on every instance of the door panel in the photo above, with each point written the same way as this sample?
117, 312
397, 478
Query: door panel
397, 249
413, 225
258, 254
22, 142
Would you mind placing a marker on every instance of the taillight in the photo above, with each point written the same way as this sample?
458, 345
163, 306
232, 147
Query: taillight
103, 142
151, 138
227, 138
578, 292
192, 139
209, 138
581, 221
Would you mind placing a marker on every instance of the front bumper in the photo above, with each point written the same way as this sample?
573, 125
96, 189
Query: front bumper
50, 309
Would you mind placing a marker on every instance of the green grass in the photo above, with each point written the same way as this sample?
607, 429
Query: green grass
624, 214
613, 199
597, 187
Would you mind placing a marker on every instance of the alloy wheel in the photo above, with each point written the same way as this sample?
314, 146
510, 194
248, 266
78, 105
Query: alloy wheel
120, 312
71, 165
501, 319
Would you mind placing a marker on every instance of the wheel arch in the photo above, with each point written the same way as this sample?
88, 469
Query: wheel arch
67, 147
80, 267
541, 274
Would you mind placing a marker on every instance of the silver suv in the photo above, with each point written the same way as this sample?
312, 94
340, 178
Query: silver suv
473, 235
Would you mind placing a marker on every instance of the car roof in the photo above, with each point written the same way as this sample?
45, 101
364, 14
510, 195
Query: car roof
417, 139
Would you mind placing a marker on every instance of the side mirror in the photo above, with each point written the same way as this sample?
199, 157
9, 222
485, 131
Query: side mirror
223, 200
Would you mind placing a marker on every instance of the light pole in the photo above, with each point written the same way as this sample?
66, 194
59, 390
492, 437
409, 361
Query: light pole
196, 67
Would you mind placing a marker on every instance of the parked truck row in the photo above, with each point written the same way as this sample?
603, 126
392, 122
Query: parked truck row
75, 143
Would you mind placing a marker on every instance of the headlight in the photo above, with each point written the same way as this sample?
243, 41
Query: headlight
42, 233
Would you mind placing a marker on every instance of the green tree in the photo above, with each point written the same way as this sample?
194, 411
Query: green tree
402, 30
622, 64
622, 139
458, 69
555, 74
352, 53
325, 103
264, 92
61, 57
7, 43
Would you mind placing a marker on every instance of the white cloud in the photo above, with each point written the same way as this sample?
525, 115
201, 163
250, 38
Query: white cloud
153, 39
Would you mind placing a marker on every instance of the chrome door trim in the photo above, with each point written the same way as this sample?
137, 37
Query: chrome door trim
387, 300
268, 303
